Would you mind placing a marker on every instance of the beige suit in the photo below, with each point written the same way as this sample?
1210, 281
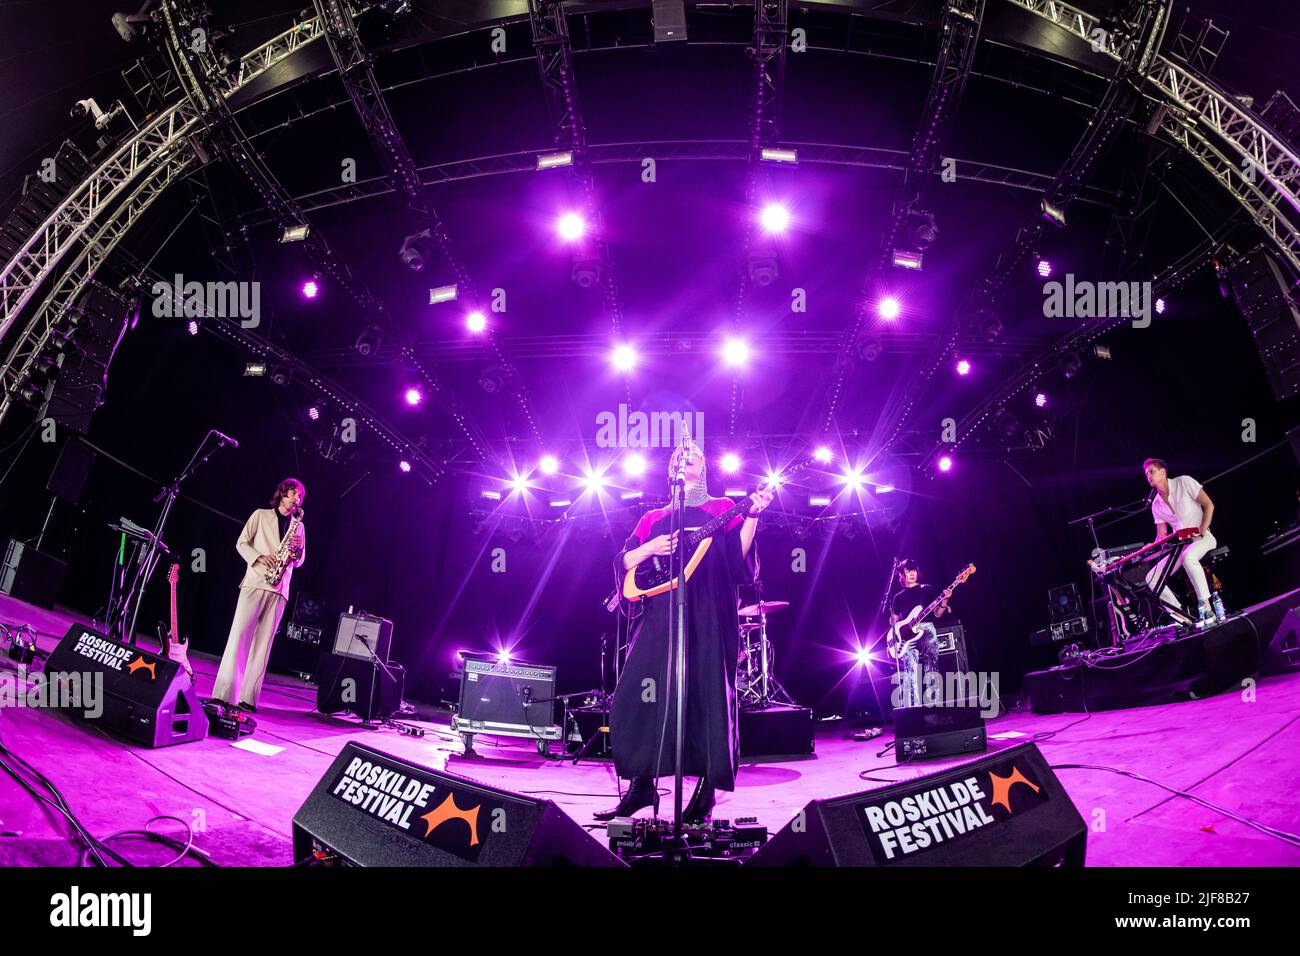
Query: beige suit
257, 613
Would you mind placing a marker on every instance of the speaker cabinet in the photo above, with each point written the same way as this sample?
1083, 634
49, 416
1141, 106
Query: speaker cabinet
360, 687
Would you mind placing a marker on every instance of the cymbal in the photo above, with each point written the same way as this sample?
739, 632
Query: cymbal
762, 607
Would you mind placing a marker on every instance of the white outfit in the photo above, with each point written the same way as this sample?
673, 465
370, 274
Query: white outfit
257, 613
1183, 511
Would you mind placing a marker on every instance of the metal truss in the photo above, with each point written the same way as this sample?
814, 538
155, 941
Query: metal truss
34, 262
959, 32
1133, 217
29, 345
771, 36
358, 78
1255, 165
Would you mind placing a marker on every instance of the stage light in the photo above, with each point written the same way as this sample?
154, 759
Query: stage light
1160, 306
416, 250
1102, 351
818, 501
989, 324
853, 479
889, 308
775, 218
773, 480
1006, 423
883, 489
404, 465
594, 481
735, 351
1040, 400
310, 289
554, 160
634, 465
773, 155
503, 656
368, 342
734, 493
561, 503
863, 657
491, 495
631, 495
313, 413
444, 293
571, 227
1071, 364
193, 327
1053, 214
908, 259
921, 230
730, 462
624, 358
413, 396
254, 369
963, 367
295, 233
476, 322
945, 463
549, 464
1044, 268
519, 483
822, 454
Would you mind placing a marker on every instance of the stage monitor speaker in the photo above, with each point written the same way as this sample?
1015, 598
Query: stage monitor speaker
144, 697
1006, 809
32, 576
923, 733
360, 687
375, 809
71, 469
363, 636
1264, 295
669, 18
1282, 654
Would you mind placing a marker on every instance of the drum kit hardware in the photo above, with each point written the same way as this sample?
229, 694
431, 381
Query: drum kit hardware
756, 685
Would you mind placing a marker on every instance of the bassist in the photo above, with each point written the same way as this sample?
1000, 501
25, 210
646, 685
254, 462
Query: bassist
919, 654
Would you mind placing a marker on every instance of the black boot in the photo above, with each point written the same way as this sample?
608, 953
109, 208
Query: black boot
641, 793
701, 805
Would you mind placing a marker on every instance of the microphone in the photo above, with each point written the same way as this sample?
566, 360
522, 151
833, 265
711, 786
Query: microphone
226, 439
1152, 497
679, 475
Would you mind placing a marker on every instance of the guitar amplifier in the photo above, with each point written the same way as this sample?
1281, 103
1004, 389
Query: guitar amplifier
30, 575
496, 696
356, 631
952, 648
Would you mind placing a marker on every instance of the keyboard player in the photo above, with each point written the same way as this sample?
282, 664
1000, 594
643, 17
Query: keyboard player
1178, 503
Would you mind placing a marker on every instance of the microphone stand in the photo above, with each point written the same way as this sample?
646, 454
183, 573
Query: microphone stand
677, 632
121, 622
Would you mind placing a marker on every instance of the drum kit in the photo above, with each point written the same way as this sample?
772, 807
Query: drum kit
756, 685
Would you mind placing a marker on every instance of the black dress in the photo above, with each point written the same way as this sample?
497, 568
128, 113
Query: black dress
642, 722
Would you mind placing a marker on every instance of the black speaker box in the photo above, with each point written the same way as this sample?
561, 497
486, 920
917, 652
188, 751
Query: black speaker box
146, 698
777, 730
1007, 809
922, 733
1282, 654
374, 809
360, 687
68, 478
32, 576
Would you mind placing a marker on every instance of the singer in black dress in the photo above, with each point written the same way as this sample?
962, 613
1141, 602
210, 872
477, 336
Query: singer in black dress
643, 717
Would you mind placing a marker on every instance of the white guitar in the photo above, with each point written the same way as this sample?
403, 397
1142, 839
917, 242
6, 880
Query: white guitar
908, 628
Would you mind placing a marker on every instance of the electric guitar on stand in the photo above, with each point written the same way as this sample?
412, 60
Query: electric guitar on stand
908, 628
653, 577
176, 647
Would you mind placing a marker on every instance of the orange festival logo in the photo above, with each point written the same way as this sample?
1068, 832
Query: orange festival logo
1002, 786
140, 664
447, 810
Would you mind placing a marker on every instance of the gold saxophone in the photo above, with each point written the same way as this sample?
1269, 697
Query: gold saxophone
276, 572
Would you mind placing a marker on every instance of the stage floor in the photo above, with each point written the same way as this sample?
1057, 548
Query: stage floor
1235, 750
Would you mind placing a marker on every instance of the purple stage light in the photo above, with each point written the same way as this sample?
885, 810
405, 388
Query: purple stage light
945, 463
1160, 306
519, 483
594, 481
193, 327
503, 657
310, 289
822, 454
1044, 268
735, 351
775, 217
549, 464
571, 227
414, 396
634, 465
624, 358
1040, 400
853, 479
889, 308
863, 657
963, 367
730, 462
313, 413
404, 465
476, 322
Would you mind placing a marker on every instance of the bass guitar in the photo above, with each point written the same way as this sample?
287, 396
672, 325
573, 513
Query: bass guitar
908, 627
652, 576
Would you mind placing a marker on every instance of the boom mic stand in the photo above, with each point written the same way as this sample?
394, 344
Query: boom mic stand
677, 631
122, 616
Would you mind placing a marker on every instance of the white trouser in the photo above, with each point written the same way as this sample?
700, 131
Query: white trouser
243, 665
1191, 563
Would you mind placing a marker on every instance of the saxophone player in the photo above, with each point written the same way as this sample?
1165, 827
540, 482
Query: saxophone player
268, 534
